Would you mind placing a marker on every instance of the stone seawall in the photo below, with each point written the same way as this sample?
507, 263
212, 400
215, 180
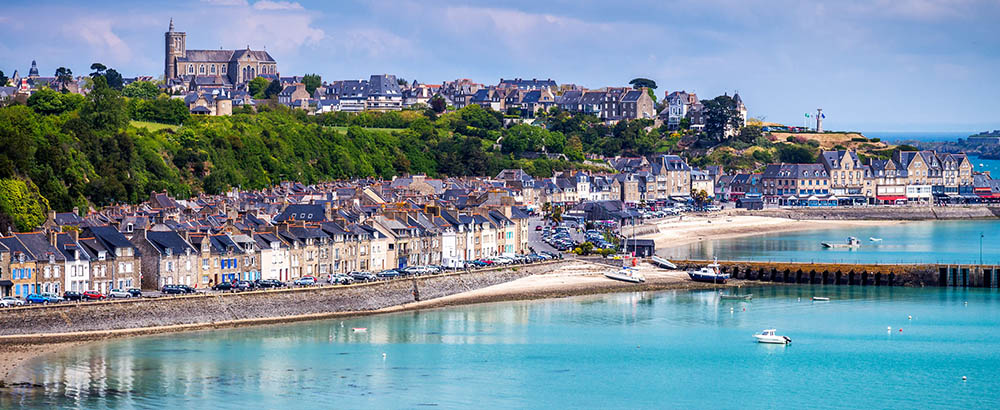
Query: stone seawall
248, 306
914, 275
906, 213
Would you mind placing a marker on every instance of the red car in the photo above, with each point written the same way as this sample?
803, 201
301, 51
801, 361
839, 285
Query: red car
93, 295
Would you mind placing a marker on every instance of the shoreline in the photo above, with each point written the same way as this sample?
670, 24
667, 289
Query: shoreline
577, 279
676, 232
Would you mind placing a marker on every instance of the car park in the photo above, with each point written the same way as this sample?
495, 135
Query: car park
305, 281
119, 294
42, 298
11, 301
93, 295
72, 295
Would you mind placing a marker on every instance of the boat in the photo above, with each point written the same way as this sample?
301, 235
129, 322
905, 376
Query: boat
360, 329
663, 263
768, 336
748, 296
710, 274
874, 239
625, 274
820, 299
852, 242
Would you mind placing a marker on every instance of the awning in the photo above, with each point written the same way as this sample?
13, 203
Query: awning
891, 198
990, 196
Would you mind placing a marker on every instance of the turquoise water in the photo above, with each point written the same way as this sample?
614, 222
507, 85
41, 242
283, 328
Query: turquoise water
980, 165
633, 350
901, 136
911, 242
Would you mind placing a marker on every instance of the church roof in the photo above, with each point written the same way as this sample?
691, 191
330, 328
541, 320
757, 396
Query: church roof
223, 56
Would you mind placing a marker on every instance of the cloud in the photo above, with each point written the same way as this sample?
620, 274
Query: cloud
226, 2
277, 5
98, 35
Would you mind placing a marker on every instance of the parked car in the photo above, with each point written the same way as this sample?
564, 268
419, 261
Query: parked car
72, 295
387, 274
136, 293
11, 301
362, 276
93, 295
43, 298
176, 289
270, 283
305, 281
538, 227
224, 286
242, 285
119, 294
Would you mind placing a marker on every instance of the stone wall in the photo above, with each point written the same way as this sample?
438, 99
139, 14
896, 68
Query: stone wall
220, 307
881, 213
827, 273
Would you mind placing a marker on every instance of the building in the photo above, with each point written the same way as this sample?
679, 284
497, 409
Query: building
670, 179
231, 67
166, 259
793, 184
678, 105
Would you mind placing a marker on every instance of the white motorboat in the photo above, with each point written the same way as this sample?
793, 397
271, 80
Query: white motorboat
820, 299
709, 274
663, 263
768, 336
626, 274
360, 329
874, 239
852, 242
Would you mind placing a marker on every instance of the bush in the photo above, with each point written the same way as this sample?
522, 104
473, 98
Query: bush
859, 139
875, 140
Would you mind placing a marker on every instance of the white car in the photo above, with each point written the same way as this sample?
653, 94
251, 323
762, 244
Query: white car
9, 301
119, 293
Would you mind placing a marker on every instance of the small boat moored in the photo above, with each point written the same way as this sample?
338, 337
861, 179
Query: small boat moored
748, 296
360, 329
852, 242
874, 239
820, 299
768, 336
626, 274
663, 263
710, 274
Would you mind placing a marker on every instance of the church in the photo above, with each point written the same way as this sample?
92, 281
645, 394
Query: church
219, 68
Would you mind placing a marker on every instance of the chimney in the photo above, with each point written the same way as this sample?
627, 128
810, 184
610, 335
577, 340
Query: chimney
53, 235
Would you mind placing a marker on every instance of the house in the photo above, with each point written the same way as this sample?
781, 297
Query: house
702, 181
850, 179
384, 93
166, 258
209, 103
791, 184
528, 85
679, 104
77, 266
293, 93
115, 262
636, 104
671, 179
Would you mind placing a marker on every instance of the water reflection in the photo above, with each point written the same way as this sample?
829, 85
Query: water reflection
552, 353
914, 242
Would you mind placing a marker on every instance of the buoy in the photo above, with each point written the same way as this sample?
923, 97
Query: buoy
900, 329
909, 317
744, 309
963, 378
383, 356
890, 328
966, 303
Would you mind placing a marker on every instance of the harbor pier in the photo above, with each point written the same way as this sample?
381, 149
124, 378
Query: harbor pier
972, 276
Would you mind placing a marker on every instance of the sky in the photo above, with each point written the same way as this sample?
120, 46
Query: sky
872, 65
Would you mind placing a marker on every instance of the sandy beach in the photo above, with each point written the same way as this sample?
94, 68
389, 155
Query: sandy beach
678, 231
572, 279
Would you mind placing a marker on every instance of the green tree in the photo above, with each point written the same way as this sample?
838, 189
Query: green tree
3, 79
257, 86
64, 76
104, 109
700, 197
98, 69
115, 80
574, 149
141, 89
273, 89
720, 114
796, 154
46, 101
312, 81
639, 83
21, 203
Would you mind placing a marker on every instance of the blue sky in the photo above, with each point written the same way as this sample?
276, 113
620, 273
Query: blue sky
903, 65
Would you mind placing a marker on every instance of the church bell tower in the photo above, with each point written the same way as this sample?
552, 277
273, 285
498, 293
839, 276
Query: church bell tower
174, 48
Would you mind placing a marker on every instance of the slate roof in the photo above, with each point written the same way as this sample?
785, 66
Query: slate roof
384, 85
223, 56
301, 212
162, 240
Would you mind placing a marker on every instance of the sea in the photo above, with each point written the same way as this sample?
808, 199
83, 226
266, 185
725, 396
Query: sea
868, 347
896, 137
949, 242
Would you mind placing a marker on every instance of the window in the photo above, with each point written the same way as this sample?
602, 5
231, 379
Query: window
213, 69
201, 69
223, 69
190, 69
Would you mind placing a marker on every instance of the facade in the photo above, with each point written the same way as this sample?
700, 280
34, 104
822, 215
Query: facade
230, 67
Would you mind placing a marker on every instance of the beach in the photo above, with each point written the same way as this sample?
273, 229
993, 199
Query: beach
679, 231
